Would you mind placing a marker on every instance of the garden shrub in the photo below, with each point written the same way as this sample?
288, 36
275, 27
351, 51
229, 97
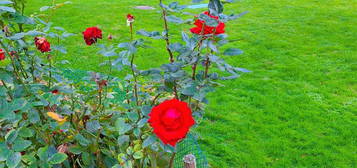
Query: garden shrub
49, 120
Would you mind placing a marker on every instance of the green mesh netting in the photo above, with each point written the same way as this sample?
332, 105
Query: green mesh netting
188, 146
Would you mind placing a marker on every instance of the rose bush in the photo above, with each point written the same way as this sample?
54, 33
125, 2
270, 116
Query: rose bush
50, 120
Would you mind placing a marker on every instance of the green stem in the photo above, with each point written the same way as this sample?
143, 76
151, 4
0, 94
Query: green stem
33, 69
164, 14
7, 88
12, 60
14, 66
135, 80
172, 160
50, 71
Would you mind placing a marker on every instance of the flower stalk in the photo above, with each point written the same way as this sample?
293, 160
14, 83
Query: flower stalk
164, 14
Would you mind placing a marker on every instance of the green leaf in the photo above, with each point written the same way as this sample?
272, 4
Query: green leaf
146, 110
13, 160
82, 140
6, 111
87, 158
93, 126
142, 122
122, 139
138, 155
43, 153
75, 149
232, 52
44, 8
133, 116
149, 140
21, 145
4, 151
57, 158
11, 136
137, 132
33, 116
25, 132
7, 9
208, 20
215, 6
61, 49
5, 2
174, 19
121, 126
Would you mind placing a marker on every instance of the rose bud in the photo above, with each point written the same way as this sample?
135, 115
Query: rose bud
110, 37
129, 19
2, 55
55, 92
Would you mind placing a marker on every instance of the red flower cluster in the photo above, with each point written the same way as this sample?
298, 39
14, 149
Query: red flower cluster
171, 121
203, 29
2, 54
42, 44
91, 35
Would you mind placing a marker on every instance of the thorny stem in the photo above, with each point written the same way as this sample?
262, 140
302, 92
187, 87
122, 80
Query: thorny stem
14, 66
7, 88
33, 69
12, 60
131, 30
153, 101
166, 27
50, 72
194, 67
135, 80
207, 66
133, 71
172, 160
164, 14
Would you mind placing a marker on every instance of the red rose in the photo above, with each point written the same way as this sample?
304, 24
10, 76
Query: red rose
171, 121
42, 44
55, 91
130, 17
2, 55
202, 29
91, 35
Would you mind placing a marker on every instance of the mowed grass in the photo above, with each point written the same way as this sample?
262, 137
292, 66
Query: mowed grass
296, 109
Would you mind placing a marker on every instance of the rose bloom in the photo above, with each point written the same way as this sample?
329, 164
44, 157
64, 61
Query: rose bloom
2, 54
91, 35
171, 121
42, 44
202, 29
130, 17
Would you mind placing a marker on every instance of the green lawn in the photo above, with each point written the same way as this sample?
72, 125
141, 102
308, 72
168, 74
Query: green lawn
298, 108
